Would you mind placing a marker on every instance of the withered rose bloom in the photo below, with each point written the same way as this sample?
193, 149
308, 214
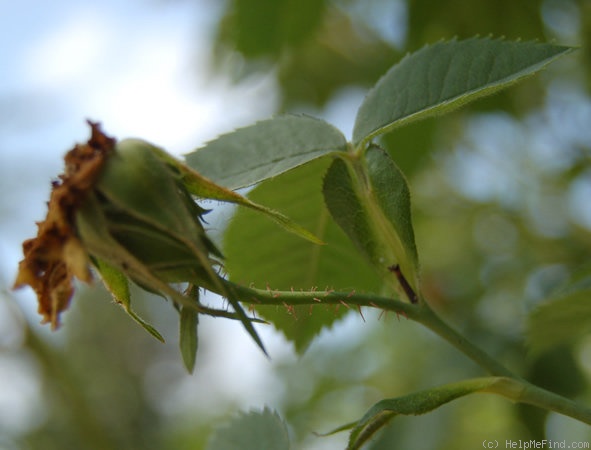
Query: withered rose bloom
123, 208
127, 209
56, 255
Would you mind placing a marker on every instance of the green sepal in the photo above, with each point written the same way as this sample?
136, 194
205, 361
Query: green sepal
137, 184
202, 187
188, 338
93, 228
116, 283
246, 321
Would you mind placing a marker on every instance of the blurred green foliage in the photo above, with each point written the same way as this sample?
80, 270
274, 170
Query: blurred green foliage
497, 224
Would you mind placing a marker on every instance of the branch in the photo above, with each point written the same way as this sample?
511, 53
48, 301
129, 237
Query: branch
510, 386
420, 313
525, 392
297, 298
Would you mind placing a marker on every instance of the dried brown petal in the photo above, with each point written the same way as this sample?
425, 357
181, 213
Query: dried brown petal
55, 256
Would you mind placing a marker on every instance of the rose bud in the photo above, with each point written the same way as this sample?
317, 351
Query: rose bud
127, 209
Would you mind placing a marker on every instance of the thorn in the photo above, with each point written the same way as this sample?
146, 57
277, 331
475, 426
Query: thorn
351, 294
317, 300
290, 310
343, 303
360, 313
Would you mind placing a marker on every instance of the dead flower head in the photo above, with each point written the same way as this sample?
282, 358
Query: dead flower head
127, 209
56, 255
123, 208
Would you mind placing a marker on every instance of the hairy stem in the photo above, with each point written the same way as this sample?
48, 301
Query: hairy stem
421, 313
295, 298
510, 385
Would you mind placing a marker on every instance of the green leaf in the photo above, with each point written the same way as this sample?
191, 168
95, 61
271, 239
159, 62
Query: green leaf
118, 286
564, 319
259, 253
265, 150
370, 200
414, 404
444, 76
252, 431
188, 341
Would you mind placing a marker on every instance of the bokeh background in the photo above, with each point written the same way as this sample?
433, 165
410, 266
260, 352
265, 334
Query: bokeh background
502, 210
